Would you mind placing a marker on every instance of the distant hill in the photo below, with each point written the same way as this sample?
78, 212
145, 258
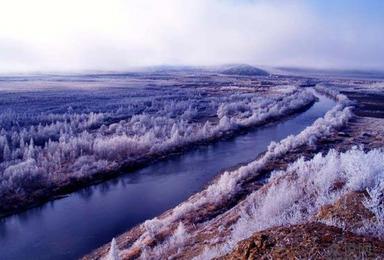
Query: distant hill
244, 70
333, 73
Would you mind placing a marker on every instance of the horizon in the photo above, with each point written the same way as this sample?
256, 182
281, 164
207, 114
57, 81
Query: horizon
273, 70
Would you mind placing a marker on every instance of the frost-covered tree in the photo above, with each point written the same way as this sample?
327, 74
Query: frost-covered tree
6, 152
113, 253
69, 142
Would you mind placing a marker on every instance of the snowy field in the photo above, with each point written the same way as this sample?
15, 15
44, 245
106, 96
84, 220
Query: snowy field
56, 130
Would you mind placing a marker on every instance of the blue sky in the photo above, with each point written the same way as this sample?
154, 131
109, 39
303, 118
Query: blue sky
364, 9
44, 35
373, 8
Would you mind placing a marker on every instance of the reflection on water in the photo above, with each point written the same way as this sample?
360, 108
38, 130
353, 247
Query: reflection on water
72, 226
86, 193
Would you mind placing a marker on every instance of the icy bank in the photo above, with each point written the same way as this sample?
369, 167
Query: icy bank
229, 183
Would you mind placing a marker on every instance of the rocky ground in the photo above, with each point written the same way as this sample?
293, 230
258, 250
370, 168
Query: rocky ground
317, 238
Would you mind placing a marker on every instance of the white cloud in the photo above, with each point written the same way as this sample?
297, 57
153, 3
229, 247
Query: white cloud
117, 34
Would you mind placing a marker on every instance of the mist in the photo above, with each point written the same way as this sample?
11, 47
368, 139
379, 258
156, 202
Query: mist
50, 35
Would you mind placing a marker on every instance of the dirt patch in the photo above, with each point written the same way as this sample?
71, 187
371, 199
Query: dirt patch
348, 210
307, 241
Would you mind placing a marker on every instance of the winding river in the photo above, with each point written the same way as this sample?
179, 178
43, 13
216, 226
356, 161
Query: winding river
71, 227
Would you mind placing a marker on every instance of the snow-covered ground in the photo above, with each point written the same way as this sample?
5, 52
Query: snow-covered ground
54, 135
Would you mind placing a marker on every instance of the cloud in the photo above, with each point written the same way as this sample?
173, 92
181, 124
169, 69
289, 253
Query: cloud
118, 34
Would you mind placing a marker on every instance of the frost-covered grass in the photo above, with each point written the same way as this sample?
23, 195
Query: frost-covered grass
375, 203
295, 195
53, 136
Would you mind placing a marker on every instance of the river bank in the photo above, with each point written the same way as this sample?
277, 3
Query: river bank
207, 230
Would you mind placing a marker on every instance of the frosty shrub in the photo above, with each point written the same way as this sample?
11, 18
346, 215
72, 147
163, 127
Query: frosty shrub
113, 253
104, 129
295, 195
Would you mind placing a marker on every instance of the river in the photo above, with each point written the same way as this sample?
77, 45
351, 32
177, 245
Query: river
71, 227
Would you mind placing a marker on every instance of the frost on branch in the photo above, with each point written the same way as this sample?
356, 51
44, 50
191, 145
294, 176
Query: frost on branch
375, 203
113, 253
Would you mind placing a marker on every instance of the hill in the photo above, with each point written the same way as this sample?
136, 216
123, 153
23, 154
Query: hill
244, 70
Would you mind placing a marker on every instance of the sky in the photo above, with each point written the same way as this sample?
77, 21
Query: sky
75, 35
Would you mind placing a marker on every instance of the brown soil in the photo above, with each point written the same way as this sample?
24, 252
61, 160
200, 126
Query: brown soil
348, 210
307, 241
